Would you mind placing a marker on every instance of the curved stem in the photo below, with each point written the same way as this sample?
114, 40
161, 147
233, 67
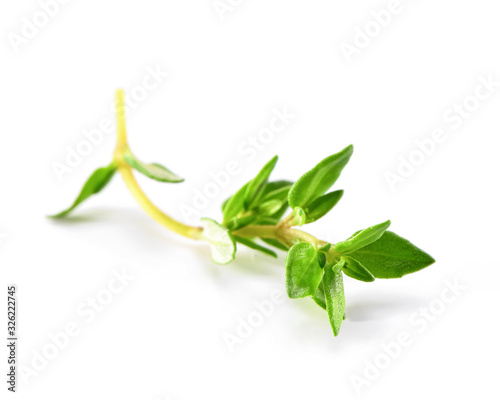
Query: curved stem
192, 232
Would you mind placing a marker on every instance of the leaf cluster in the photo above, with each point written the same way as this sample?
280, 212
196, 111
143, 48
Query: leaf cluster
314, 268
255, 217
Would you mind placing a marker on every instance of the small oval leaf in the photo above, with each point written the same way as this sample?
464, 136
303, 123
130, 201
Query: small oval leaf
221, 241
318, 180
298, 217
322, 205
325, 248
280, 193
234, 205
319, 296
257, 184
94, 184
392, 257
334, 295
362, 238
154, 171
303, 273
238, 223
356, 270
270, 207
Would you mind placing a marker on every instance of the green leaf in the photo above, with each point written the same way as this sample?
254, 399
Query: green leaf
153, 171
319, 296
94, 184
298, 217
235, 205
362, 238
392, 257
257, 183
318, 180
303, 272
339, 265
244, 198
221, 241
275, 185
280, 194
250, 243
266, 221
279, 214
321, 259
270, 207
356, 270
276, 243
334, 295
237, 223
326, 248
272, 190
322, 205
224, 204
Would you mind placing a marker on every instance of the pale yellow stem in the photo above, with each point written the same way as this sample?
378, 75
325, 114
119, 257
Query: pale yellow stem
192, 232
121, 127
284, 234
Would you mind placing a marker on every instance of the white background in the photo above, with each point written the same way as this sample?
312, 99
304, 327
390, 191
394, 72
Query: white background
163, 335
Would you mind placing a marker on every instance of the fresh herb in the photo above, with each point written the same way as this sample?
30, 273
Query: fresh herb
255, 217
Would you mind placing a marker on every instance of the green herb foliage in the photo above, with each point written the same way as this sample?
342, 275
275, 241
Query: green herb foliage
94, 184
255, 217
154, 171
